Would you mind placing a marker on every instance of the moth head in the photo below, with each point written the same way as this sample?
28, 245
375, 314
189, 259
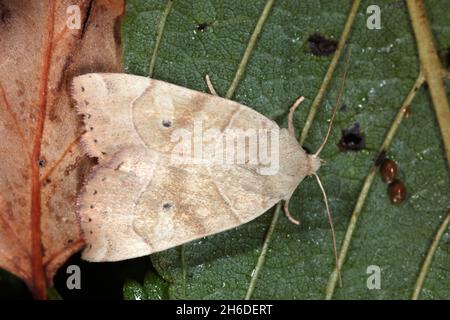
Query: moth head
314, 164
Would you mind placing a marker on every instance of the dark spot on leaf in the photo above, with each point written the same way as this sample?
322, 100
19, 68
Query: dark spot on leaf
70, 241
95, 192
321, 46
90, 220
202, 26
95, 140
167, 206
92, 206
352, 139
380, 158
5, 13
91, 128
42, 162
167, 123
82, 89
104, 179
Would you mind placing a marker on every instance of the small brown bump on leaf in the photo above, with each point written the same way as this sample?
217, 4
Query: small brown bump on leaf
397, 192
352, 139
388, 170
321, 46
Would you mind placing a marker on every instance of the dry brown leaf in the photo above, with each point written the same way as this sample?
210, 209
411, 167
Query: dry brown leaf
41, 164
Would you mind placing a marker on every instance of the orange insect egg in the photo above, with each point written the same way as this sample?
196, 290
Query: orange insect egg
397, 191
388, 170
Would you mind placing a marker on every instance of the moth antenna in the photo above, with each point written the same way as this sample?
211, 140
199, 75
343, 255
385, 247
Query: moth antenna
288, 214
338, 103
294, 107
333, 233
210, 85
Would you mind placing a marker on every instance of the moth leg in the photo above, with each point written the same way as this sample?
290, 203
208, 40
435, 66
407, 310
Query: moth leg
288, 214
294, 107
210, 85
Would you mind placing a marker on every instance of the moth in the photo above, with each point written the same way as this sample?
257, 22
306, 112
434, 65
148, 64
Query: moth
142, 199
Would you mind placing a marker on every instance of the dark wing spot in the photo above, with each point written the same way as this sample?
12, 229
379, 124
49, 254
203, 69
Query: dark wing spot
167, 206
167, 123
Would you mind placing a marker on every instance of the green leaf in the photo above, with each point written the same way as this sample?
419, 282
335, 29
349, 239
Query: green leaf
210, 37
153, 288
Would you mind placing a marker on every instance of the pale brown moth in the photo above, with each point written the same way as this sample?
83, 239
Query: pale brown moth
136, 201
